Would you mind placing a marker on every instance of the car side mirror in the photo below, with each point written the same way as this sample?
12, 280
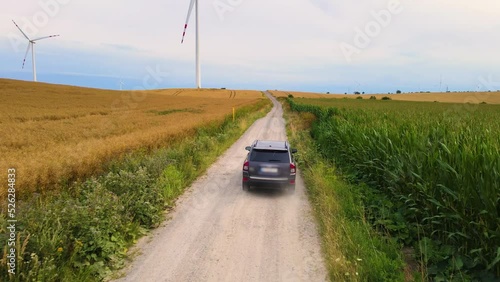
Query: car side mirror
248, 148
294, 151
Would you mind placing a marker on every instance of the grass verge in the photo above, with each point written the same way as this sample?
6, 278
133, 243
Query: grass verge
353, 250
83, 232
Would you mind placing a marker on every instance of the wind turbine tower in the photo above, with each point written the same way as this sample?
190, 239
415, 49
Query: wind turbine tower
194, 3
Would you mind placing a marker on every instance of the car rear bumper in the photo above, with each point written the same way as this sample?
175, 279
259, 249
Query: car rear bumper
269, 181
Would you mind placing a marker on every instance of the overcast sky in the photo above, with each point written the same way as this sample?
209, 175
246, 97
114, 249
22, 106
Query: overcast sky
309, 45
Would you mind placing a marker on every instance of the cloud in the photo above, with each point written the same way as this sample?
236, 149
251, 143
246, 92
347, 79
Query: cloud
271, 42
121, 47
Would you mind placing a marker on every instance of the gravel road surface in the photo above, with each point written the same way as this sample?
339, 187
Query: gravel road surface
218, 232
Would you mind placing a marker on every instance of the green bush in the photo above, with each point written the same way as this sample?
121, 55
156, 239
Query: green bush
143, 200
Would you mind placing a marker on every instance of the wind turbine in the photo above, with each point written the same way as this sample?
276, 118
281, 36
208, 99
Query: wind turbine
31, 44
198, 67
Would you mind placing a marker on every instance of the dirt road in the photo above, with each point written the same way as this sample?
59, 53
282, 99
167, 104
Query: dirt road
218, 232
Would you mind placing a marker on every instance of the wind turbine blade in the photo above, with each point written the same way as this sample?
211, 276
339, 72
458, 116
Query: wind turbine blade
40, 38
187, 19
26, 55
21, 30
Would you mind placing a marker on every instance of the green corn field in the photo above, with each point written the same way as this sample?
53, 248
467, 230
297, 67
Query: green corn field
438, 163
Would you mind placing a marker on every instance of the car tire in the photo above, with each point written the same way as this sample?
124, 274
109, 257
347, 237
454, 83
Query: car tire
245, 186
291, 189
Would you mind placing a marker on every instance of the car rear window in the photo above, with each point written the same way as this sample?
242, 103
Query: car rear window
269, 156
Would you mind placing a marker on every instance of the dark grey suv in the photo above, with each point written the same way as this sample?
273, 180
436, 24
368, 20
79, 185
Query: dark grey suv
269, 164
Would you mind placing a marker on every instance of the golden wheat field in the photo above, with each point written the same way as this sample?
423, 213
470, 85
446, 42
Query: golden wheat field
53, 132
461, 97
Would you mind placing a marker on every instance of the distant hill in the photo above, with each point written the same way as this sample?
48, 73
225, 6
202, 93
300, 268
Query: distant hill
451, 97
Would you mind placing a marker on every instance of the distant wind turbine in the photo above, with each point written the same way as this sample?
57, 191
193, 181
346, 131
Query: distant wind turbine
31, 44
121, 84
198, 67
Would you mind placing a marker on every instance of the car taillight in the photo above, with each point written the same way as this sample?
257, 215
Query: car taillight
292, 168
245, 166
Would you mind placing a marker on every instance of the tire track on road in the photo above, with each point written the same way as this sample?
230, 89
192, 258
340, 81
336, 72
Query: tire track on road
218, 232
